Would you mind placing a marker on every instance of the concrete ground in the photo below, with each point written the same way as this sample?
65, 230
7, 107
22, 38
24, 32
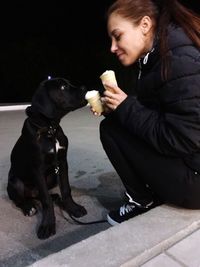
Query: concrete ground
165, 236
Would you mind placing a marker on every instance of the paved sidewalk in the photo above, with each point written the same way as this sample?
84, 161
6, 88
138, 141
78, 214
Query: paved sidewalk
165, 236
146, 241
186, 252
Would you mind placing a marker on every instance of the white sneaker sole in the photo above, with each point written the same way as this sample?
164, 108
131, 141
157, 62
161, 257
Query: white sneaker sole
111, 221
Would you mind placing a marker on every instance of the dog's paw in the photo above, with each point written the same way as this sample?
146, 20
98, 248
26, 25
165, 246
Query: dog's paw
31, 212
74, 209
45, 231
29, 209
80, 211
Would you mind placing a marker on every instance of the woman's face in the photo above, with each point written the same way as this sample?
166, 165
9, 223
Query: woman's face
129, 41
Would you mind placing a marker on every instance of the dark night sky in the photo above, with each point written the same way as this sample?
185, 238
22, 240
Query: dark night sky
58, 39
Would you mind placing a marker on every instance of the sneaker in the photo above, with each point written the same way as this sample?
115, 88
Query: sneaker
128, 211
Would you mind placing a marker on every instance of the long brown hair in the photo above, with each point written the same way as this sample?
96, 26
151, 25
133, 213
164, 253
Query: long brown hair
162, 13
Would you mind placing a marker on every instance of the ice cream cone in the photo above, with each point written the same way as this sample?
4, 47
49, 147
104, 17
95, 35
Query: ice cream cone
108, 77
93, 98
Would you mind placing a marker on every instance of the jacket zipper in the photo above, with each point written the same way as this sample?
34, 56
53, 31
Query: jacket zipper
140, 69
145, 60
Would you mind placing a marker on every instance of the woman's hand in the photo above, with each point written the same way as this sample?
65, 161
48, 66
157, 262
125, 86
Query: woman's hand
94, 112
106, 111
113, 100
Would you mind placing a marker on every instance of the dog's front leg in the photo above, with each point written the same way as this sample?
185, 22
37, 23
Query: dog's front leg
47, 226
67, 201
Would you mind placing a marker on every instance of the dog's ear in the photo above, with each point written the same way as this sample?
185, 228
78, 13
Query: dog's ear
42, 103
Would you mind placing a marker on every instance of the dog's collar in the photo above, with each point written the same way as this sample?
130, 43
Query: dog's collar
50, 130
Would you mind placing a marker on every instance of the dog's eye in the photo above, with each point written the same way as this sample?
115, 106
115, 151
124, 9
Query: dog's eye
63, 87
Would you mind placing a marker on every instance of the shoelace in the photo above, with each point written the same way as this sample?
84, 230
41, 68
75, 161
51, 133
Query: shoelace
126, 208
130, 200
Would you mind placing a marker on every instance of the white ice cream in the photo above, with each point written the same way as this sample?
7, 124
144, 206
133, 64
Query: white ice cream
107, 72
90, 94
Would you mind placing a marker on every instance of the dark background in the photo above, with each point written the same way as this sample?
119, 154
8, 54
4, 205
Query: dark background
66, 39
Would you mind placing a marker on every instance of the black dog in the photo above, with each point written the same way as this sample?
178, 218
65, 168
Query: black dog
39, 157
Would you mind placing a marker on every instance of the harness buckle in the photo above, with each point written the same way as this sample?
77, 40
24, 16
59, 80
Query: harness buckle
57, 170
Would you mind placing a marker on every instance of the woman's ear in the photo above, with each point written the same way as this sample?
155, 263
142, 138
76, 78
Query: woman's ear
146, 24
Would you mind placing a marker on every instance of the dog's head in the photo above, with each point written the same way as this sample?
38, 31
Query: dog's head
56, 97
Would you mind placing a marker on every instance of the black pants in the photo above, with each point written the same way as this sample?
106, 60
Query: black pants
145, 172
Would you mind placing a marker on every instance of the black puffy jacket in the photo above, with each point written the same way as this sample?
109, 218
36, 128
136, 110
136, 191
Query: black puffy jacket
166, 114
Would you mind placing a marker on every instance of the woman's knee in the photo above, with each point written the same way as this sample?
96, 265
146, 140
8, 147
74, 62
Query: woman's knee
104, 125
103, 129
107, 127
